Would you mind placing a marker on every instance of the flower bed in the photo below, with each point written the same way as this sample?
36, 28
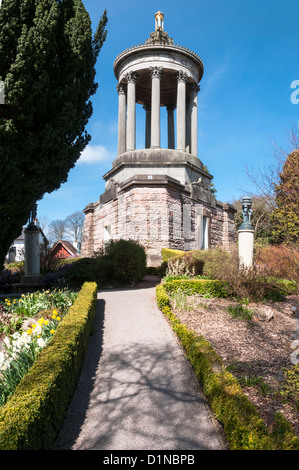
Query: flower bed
20, 352
32, 416
241, 420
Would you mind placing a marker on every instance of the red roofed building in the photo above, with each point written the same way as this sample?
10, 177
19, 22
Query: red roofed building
64, 249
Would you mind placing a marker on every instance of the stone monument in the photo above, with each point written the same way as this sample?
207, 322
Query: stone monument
32, 253
246, 235
160, 197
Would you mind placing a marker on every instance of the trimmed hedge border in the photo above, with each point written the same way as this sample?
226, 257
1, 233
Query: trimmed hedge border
197, 286
168, 253
243, 426
32, 417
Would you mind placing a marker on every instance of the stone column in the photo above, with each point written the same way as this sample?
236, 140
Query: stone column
147, 109
188, 121
246, 235
170, 125
32, 256
121, 89
181, 111
193, 109
131, 111
155, 107
32, 251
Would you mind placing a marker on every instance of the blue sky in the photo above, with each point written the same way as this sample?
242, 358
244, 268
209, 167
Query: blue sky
250, 51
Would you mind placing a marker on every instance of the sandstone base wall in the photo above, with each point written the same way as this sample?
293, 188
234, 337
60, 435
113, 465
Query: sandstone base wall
158, 215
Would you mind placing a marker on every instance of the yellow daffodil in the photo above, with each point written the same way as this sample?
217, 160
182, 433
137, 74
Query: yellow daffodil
58, 318
29, 331
52, 332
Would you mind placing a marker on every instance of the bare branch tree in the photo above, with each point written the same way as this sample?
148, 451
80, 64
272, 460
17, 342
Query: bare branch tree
57, 230
74, 226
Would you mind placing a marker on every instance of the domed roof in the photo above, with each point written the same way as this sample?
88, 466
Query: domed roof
158, 44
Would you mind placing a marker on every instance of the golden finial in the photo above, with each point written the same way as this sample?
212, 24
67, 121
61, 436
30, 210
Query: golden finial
159, 20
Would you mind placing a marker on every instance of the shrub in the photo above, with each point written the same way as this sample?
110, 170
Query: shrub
196, 262
33, 415
122, 261
97, 270
7, 279
186, 264
241, 283
168, 253
128, 260
208, 287
280, 261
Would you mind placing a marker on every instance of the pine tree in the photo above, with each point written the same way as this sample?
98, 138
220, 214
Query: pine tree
47, 63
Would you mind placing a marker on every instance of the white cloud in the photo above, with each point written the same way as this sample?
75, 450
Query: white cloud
95, 154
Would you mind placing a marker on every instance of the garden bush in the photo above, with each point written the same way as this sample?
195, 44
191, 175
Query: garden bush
168, 253
244, 284
97, 270
33, 415
241, 283
122, 261
128, 260
280, 261
186, 264
8, 277
205, 287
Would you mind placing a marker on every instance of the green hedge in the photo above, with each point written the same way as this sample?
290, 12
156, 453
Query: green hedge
244, 427
32, 417
286, 287
168, 253
197, 286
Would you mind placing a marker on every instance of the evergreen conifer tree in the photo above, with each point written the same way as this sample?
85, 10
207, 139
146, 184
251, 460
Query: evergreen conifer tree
47, 63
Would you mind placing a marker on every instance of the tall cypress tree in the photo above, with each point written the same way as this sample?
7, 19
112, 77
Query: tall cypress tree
47, 63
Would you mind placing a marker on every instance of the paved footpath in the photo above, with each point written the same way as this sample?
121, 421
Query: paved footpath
137, 390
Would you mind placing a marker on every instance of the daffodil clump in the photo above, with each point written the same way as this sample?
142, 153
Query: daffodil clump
30, 305
20, 351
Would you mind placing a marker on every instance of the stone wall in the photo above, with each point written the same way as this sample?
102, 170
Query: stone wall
158, 214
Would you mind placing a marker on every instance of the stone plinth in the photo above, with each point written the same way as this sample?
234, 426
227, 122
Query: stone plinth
246, 240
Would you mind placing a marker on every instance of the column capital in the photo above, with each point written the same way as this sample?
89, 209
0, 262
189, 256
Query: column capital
194, 87
155, 71
121, 88
182, 76
131, 77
